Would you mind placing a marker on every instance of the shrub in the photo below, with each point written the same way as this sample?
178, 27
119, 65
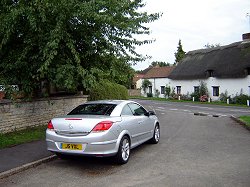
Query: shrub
224, 97
203, 88
149, 95
167, 91
196, 96
186, 97
203, 98
157, 93
241, 99
108, 90
145, 84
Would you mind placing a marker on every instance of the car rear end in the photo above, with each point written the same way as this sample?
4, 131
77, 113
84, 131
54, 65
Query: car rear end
92, 135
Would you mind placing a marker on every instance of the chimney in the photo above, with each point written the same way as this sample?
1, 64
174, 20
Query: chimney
246, 37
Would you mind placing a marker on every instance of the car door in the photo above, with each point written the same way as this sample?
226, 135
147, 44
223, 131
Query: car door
130, 123
144, 123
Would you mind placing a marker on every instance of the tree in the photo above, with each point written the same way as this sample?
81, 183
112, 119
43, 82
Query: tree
167, 91
180, 54
72, 44
145, 84
159, 63
211, 45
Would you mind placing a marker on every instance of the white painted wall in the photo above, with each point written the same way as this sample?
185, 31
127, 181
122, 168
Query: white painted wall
156, 84
232, 86
138, 84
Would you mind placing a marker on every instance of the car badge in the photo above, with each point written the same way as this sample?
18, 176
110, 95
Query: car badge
70, 126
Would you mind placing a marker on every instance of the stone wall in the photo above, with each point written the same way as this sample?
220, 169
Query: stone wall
17, 116
133, 92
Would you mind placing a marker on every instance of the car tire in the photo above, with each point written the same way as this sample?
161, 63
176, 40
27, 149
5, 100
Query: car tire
156, 136
123, 153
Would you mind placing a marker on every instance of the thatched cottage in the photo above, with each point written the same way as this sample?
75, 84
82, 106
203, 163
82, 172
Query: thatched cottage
223, 69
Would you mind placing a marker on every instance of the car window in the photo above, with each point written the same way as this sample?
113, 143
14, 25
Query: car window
137, 109
126, 111
93, 109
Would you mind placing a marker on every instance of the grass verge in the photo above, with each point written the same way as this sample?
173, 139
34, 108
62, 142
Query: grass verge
22, 136
196, 102
245, 119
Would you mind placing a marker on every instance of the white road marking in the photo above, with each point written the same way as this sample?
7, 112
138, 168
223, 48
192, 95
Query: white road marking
173, 109
240, 111
161, 107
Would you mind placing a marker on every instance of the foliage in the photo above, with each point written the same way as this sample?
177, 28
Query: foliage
180, 54
108, 90
145, 84
224, 97
196, 96
203, 98
167, 91
240, 99
186, 97
202, 94
157, 93
172, 94
212, 45
203, 88
72, 44
149, 95
158, 63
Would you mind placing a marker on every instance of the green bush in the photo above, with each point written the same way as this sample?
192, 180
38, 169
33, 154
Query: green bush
149, 95
107, 90
240, 99
196, 96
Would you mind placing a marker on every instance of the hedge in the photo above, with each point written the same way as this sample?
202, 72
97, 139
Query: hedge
107, 90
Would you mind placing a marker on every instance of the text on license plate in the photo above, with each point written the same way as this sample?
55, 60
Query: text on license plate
71, 146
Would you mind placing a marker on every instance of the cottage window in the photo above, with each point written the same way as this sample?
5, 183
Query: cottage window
210, 73
178, 89
162, 89
216, 91
196, 89
248, 71
150, 89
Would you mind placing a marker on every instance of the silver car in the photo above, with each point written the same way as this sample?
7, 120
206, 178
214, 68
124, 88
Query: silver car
103, 128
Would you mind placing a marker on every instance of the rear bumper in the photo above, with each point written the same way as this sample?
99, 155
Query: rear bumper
94, 144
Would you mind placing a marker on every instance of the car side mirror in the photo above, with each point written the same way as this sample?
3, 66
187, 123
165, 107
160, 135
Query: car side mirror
150, 113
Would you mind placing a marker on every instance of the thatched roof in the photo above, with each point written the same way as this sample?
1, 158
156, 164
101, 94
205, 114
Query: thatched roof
231, 61
159, 72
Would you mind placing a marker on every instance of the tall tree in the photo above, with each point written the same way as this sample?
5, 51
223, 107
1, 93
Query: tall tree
69, 43
208, 45
180, 54
159, 63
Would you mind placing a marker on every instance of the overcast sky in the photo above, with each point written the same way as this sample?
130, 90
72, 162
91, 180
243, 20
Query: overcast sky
196, 23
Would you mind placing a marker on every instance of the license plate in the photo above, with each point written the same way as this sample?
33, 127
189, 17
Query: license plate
71, 146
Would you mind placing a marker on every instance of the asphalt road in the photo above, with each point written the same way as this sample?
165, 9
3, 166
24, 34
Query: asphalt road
193, 151
208, 109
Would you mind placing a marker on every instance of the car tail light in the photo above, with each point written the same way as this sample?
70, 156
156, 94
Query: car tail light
102, 126
50, 125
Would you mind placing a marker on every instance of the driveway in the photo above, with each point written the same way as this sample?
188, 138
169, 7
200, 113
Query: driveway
193, 151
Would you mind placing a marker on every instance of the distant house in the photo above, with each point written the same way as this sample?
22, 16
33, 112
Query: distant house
158, 76
223, 69
137, 81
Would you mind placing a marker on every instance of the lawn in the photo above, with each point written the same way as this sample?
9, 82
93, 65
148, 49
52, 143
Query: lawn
245, 119
22, 136
187, 101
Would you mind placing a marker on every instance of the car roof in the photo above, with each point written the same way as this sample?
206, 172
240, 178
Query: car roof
117, 102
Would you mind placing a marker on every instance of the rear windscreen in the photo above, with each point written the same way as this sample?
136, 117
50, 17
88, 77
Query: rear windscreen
93, 109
